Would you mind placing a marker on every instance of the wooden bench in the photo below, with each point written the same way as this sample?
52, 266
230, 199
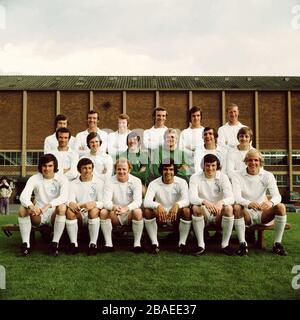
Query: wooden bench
261, 242
259, 229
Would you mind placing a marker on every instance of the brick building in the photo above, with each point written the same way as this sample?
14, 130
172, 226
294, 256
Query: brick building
269, 105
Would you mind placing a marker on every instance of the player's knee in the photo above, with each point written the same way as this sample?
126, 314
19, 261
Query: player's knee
280, 209
137, 214
228, 211
22, 212
93, 213
186, 214
197, 211
70, 215
148, 213
61, 210
104, 214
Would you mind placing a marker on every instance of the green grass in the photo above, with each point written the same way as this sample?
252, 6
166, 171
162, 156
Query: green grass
124, 275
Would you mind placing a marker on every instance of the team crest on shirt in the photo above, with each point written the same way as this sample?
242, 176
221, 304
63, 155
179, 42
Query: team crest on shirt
175, 189
93, 191
130, 190
54, 189
217, 186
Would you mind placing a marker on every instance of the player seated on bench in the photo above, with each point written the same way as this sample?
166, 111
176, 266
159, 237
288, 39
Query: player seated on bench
212, 198
50, 190
85, 202
122, 202
252, 206
167, 202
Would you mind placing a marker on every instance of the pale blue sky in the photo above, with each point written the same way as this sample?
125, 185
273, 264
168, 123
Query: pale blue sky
150, 37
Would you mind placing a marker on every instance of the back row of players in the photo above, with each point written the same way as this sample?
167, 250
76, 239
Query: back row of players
159, 170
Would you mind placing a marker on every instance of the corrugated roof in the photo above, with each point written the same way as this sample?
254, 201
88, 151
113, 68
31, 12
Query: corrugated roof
149, 83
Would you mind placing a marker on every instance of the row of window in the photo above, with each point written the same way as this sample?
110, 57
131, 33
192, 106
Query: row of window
273, 158
12, 158
270, 158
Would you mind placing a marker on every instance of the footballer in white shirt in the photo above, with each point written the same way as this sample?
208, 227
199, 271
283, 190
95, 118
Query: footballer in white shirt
235, 157
84, 205
50, 190
51, 142
212, 198
228, 132
252, 206
67, 158
80, 143
167, 202
103, 162
154, 137
122, 205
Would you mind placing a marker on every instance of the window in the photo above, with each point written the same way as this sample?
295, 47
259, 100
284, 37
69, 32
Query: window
33, 158
10, 158
272, 158
296, 180
296, 158
282, 180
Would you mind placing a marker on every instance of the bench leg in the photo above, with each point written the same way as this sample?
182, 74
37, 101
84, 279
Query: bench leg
32, 237
261, 241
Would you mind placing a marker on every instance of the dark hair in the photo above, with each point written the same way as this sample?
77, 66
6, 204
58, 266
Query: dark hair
93, 112
84, 162
159, 109
131, 135
46, 158
210, 158
213, 129
62, 130
91, 136
124, 116
60, 117
245, 130
167, 162
195, 109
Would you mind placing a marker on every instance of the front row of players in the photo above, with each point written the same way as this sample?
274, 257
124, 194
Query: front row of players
210, 198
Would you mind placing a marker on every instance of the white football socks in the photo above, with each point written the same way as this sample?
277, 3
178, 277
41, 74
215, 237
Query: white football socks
240, 229
106, 228
184, 230
72, 229
151, 227
279, 225
227, 225
94, 226
25, 229
137, 229
59, 226
198, 226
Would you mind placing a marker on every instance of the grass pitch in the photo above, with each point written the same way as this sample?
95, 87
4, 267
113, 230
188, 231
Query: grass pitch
124, 275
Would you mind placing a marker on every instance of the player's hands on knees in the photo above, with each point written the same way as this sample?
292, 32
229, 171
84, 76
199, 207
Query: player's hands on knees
266, 205
210, 206
173, 212
74, 207
90, 205
219, 207
34, 211
162, 214
254, 205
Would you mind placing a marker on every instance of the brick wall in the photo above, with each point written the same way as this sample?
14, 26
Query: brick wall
296, 120
11, 120
40, 117
273, 120
140, 105
75, 105
211, 105
177, 105
108, 116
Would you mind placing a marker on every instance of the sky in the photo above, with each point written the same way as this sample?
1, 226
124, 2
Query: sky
150, 37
